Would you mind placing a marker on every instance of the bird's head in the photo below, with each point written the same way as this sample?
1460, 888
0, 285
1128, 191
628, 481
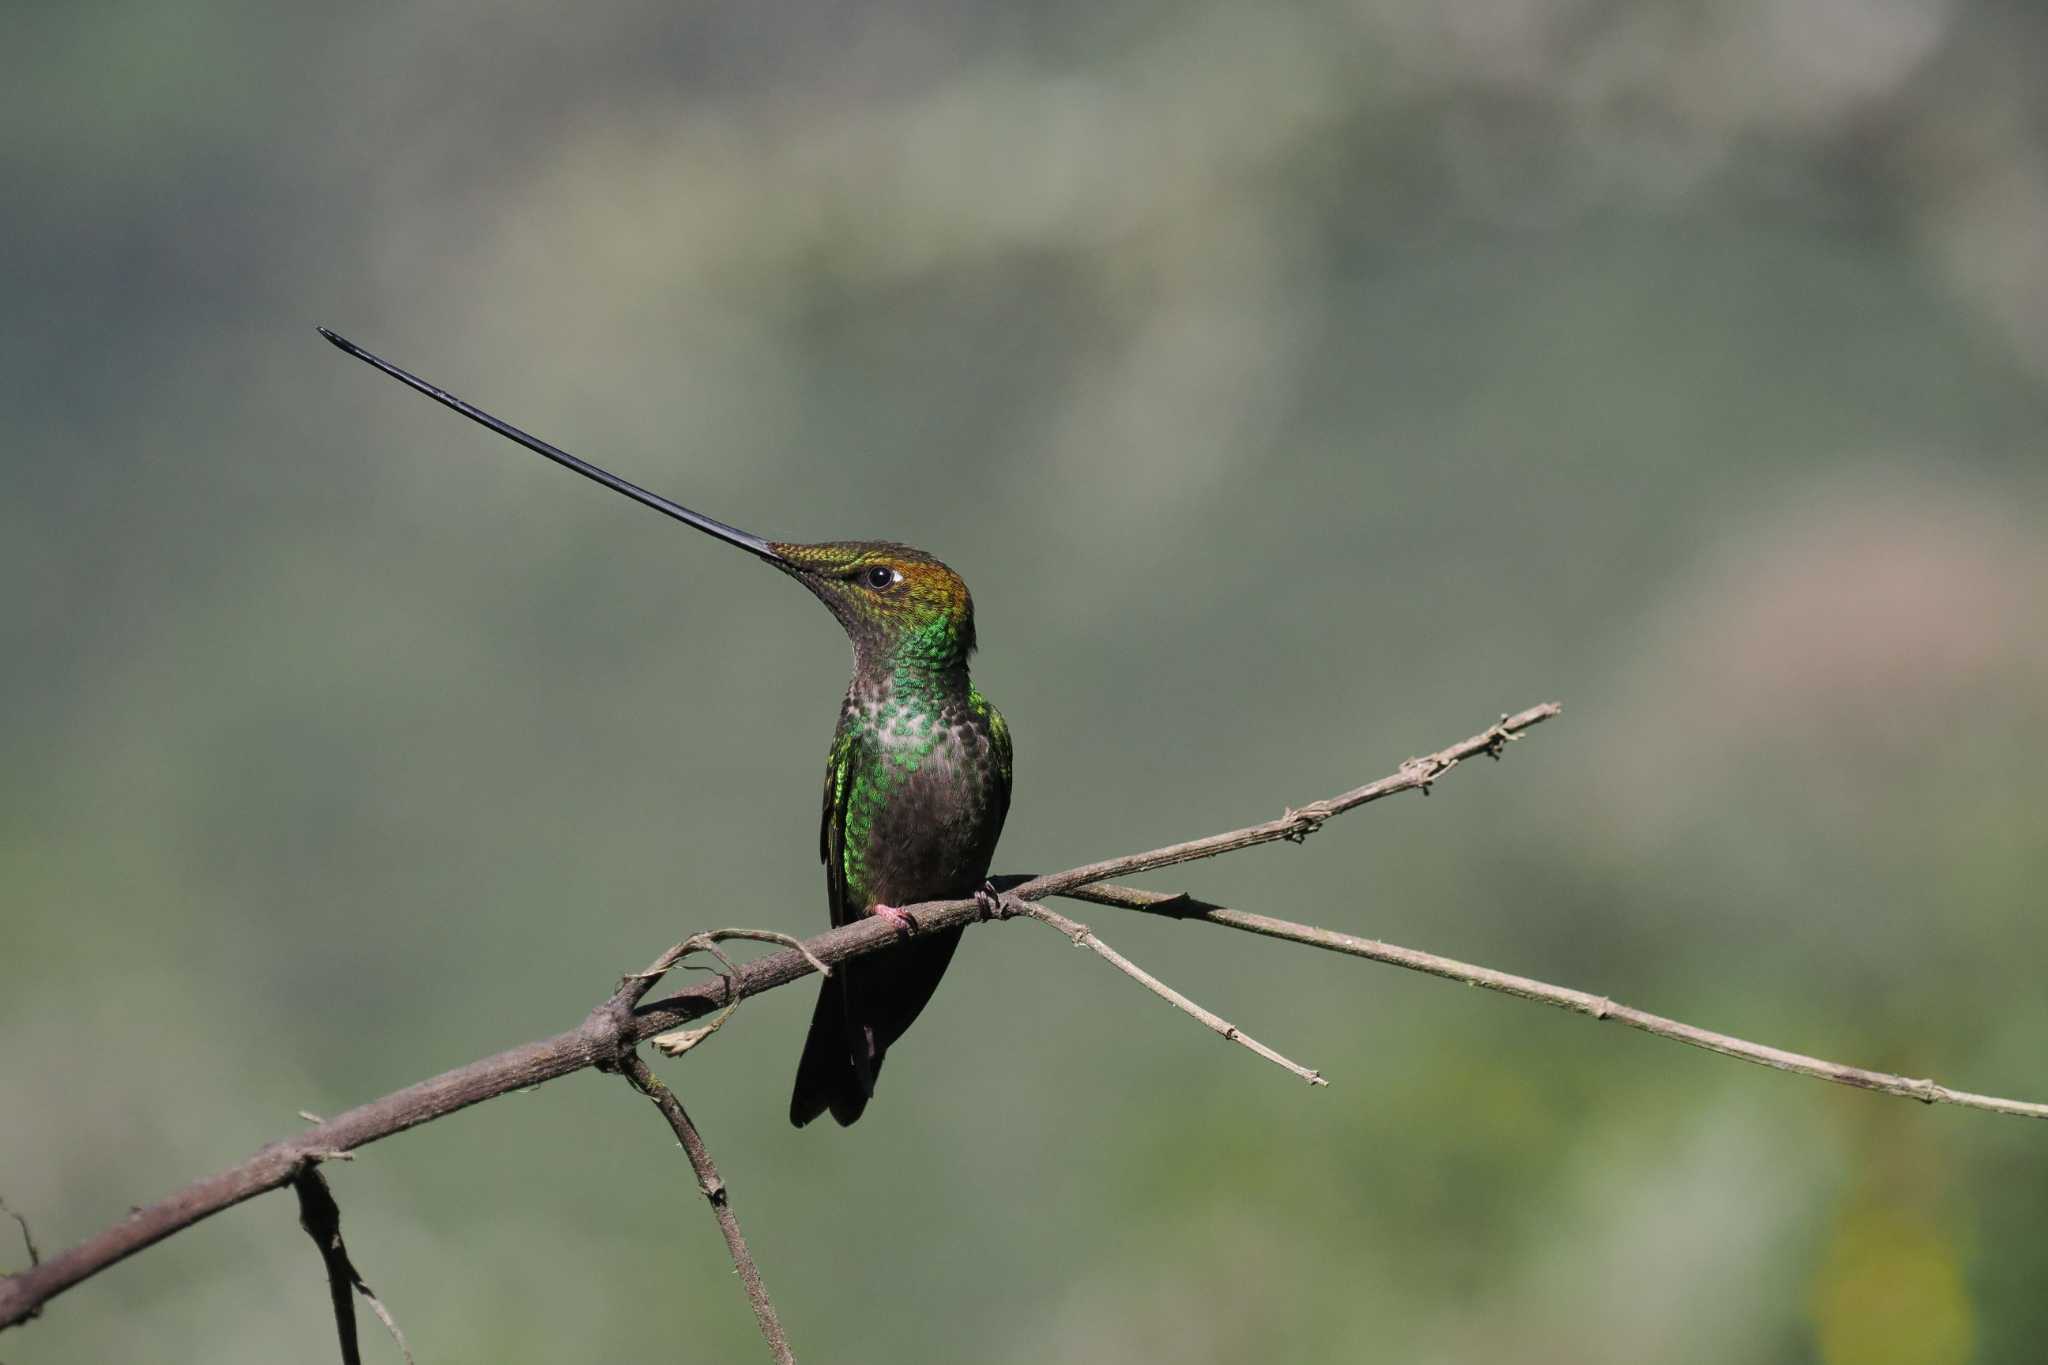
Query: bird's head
897, 604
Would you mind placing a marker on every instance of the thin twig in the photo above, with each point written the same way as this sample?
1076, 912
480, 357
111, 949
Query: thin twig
1564, 997
647, 1083
1297, 823
28, 1238
633, 987
320, 1216
678, 1041
1084, 937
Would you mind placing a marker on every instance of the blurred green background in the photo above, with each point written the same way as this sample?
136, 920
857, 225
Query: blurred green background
1299, 388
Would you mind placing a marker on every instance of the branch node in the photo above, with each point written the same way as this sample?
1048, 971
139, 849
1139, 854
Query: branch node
1499, 737
989, 902
1422, 773
1306, 820
607, 1034
1000, 905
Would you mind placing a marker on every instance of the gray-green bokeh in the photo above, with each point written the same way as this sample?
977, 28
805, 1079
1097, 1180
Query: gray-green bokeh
1298, 388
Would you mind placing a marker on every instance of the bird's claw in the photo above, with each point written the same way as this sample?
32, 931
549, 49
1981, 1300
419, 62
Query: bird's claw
899, 919
990, 901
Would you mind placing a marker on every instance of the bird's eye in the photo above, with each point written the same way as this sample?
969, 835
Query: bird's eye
880, 576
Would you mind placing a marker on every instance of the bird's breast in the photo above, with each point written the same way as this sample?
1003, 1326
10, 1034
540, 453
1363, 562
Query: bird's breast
935, 812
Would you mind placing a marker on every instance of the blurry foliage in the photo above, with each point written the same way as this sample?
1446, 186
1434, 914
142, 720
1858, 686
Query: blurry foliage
1299, 387
1890, 1290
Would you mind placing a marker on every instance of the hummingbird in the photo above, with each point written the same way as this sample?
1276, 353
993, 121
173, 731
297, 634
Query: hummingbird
916, 784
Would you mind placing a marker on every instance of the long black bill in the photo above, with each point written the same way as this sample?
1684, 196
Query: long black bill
732, 535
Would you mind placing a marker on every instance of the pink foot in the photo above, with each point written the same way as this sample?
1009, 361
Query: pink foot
904, 924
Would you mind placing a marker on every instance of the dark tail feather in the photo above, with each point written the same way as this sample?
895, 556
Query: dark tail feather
825, 1077
863, 1007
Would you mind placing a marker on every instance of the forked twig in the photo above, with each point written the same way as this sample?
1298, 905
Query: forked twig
1084, 937
1564, 997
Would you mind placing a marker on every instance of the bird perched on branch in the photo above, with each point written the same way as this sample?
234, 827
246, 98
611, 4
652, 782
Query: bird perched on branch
916, 786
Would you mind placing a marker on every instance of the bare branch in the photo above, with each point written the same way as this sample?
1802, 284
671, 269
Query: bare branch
647, 1083
615, 1027
607, 1037
1417, 774
320, 1216
1526, 988
602, 1035
1084, 937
